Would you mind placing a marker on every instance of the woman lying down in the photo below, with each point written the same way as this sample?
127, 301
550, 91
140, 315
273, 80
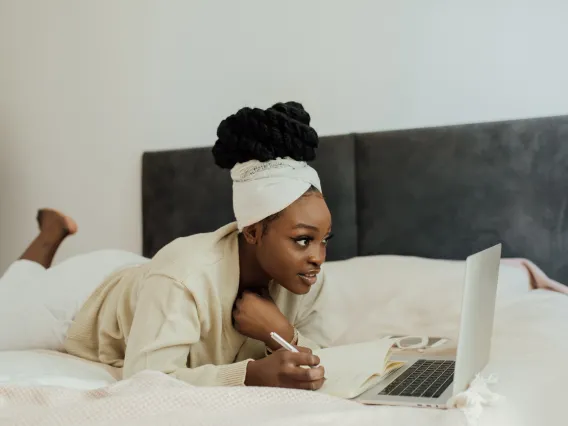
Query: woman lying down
203, 307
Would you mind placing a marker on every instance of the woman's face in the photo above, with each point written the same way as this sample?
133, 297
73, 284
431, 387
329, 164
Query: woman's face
293, 246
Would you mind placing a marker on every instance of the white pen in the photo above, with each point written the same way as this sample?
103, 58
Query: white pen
276, 337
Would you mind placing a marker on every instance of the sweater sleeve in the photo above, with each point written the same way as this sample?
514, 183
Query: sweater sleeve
165, 325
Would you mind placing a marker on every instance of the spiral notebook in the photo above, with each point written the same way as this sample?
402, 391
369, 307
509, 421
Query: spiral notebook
350, 370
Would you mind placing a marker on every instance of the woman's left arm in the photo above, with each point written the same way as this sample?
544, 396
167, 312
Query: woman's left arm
314, 316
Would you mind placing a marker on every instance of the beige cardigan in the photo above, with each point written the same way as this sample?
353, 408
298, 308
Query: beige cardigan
174, 314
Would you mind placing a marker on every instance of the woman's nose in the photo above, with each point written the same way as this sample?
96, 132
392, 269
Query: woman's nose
318, 255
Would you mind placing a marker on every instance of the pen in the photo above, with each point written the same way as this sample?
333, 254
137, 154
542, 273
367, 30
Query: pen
276, 337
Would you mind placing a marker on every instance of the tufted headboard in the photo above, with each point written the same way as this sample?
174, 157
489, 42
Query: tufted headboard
441, 192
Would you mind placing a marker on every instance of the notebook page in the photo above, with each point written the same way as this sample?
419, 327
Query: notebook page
349, 368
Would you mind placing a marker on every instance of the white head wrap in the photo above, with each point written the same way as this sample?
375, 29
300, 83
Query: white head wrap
261, 189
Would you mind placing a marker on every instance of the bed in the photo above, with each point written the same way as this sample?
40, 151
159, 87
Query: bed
408, 207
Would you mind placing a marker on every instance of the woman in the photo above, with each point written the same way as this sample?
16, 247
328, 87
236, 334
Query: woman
203, 307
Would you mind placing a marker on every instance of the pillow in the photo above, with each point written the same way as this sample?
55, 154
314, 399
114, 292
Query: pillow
381, 295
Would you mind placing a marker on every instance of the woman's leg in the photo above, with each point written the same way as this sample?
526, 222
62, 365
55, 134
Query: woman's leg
37, 302
54, 227
24, 322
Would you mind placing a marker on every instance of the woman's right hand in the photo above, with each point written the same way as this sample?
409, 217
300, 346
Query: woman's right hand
284, 369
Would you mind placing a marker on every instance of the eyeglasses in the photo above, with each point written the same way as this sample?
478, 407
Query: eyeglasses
417, 342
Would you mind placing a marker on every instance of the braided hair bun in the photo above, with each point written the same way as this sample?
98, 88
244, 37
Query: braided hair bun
255, 134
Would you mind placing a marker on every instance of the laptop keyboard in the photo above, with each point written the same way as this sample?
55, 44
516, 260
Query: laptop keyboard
425, 378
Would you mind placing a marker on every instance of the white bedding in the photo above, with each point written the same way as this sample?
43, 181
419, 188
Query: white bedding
48, 368
382, 295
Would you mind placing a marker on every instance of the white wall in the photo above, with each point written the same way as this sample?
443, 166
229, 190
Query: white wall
86, 87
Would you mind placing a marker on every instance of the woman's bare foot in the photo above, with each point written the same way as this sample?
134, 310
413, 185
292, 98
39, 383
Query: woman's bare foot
54, 227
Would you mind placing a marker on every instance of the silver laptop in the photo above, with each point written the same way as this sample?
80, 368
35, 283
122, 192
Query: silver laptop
431, 381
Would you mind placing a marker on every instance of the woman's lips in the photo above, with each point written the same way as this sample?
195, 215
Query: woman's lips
309, 279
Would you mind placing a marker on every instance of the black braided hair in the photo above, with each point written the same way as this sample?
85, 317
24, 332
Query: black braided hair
282, 130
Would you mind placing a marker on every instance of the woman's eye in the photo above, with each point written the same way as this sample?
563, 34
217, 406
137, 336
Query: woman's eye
303, 242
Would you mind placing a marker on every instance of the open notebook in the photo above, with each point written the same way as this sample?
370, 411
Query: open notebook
352, 369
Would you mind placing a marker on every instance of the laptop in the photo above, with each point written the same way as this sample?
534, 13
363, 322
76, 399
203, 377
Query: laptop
430, 381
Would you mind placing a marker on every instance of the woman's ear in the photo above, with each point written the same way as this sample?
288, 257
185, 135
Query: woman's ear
252, 233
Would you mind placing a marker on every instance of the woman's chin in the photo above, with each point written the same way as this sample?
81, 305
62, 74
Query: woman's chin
297, 286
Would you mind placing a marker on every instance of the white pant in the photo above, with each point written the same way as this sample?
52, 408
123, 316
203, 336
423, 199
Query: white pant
38, 304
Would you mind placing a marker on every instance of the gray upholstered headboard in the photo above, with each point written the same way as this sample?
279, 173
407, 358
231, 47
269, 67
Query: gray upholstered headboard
441, 192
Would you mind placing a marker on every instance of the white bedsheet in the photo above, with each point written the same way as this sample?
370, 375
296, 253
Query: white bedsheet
48, 368
382, 295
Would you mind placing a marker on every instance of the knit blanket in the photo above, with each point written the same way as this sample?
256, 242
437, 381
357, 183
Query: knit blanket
155, 398
151, 398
